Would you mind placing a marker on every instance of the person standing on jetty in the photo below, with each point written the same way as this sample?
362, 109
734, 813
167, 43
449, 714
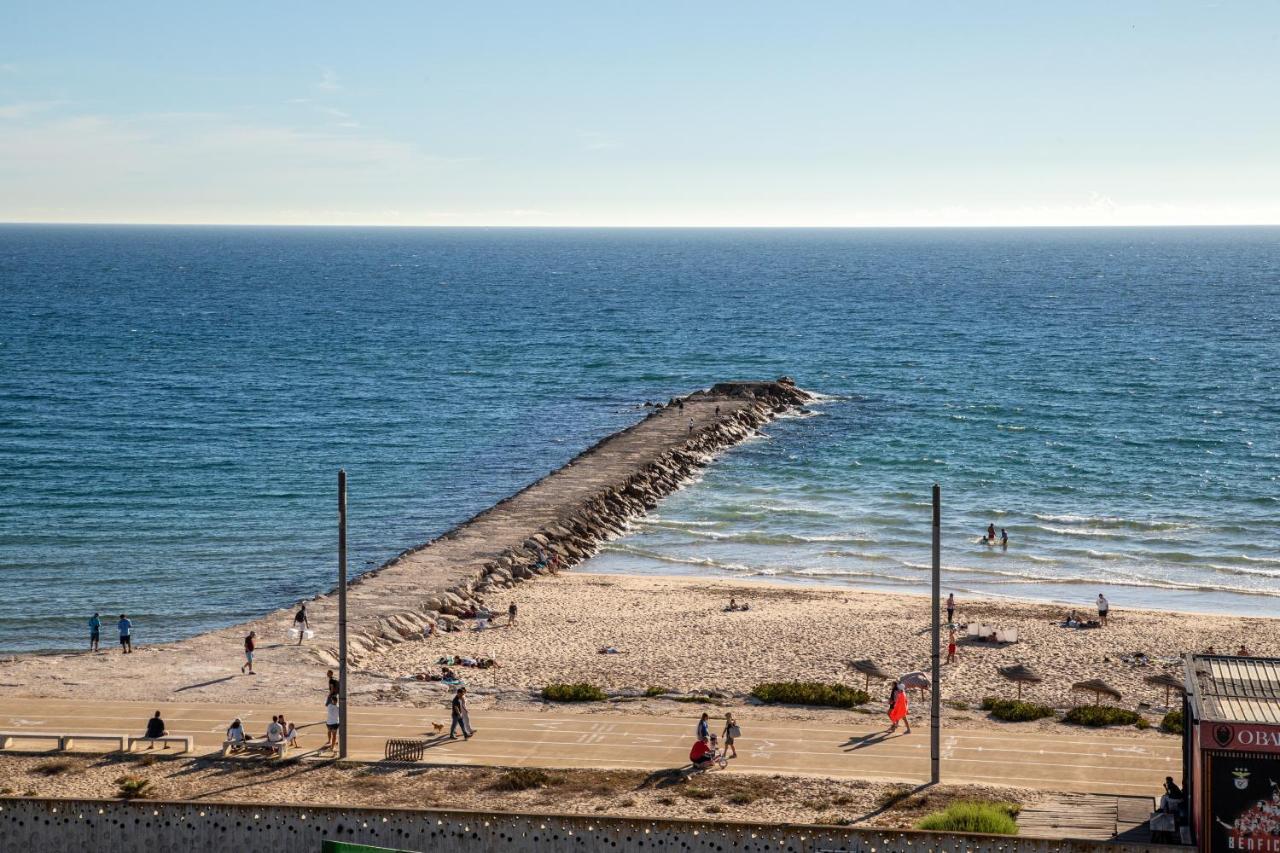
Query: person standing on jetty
249, 646
300, 623
1104, 607
126, 634
95, 632
459, 717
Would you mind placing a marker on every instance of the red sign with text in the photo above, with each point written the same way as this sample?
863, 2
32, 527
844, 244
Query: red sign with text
1253, 738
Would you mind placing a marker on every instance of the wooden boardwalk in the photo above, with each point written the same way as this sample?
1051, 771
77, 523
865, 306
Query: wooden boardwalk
1092, 816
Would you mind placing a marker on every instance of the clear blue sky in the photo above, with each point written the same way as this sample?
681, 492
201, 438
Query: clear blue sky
653, 113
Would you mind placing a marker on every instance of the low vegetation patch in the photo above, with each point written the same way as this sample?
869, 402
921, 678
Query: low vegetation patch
985, 817
1015, 710
655, 690
809, 693
523, 779
128, 787
1172, 723
56, 767
1097, 716
573, 693
957, 705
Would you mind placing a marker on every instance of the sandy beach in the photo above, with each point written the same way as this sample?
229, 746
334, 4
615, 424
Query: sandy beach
673, 633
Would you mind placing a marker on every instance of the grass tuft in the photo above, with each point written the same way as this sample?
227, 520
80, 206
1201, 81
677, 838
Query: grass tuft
128, 787
984, 817
55, 767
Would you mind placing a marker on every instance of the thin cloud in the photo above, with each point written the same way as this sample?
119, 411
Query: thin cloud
26, 109
328, 81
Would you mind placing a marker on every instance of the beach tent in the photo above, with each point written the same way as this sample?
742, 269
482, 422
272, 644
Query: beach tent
1020, 674
1098, 688
914, 680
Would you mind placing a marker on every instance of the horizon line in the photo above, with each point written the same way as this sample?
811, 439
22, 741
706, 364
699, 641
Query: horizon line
619, 227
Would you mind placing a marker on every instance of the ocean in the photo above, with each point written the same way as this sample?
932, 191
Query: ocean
175, 404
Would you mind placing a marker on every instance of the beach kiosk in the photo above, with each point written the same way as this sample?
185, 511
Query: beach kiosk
1231, 752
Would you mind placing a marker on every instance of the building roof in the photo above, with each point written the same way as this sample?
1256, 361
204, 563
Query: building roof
1228, 689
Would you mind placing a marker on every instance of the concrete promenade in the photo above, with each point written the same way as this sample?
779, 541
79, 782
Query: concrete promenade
560, 738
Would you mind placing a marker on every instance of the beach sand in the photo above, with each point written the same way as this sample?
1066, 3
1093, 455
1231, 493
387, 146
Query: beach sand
674, 634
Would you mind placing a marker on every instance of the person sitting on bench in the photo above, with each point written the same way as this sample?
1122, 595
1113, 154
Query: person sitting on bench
155, 729
275, 736
702, 754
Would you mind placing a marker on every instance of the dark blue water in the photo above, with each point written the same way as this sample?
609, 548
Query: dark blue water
175, 403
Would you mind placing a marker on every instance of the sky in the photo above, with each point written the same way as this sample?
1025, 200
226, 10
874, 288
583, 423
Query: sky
641, 113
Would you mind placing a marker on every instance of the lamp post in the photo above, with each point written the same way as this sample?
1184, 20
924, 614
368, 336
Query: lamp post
935, 708
342, 613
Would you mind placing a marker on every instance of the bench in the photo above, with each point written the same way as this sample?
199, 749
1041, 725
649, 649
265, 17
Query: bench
187, 742
400, 749
231, 747
65, 741
7, 738
69, 741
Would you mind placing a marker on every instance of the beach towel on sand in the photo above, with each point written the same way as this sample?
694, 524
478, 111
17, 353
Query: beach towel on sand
899, 709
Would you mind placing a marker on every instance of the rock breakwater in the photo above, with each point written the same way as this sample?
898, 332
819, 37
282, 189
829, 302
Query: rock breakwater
558, 521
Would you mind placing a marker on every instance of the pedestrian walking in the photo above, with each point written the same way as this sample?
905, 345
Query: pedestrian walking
951, 609
898, 708
126, 634
731, 734
1104, 607
459, 717
249, 646
951, 647
300, 623
511, 615
95, 632
332, 721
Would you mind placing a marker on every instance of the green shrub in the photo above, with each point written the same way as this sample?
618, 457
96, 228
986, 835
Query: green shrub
1143, 723
522, 779
987, 818
1097, 716
1172, 723
128, 787
810, 693
957, 705
655, 691
1015, 710
573, 693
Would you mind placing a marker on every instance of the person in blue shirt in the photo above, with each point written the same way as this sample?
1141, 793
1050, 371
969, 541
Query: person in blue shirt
95, 626
126, 634
704, 727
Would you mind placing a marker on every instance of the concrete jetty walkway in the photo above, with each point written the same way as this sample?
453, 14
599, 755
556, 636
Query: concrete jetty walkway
561, 738
569, 513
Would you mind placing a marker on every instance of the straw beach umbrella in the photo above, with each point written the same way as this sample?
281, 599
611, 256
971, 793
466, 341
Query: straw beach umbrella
1020, 674
870, 670
1098, 688
1168, 682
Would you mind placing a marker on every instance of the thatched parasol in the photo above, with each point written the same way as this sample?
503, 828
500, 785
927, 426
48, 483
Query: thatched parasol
1020, 674
870, 670
1168, 682
1098, 688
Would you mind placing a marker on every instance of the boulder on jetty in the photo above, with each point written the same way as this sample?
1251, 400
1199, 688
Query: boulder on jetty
558, 521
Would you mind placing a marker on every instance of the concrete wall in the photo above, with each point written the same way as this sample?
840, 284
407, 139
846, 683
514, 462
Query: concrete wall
30, 825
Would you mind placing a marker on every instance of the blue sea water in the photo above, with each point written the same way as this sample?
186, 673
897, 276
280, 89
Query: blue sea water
175, 403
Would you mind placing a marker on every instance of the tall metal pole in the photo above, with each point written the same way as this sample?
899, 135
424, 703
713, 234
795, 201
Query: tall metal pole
342, 613
935, 708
